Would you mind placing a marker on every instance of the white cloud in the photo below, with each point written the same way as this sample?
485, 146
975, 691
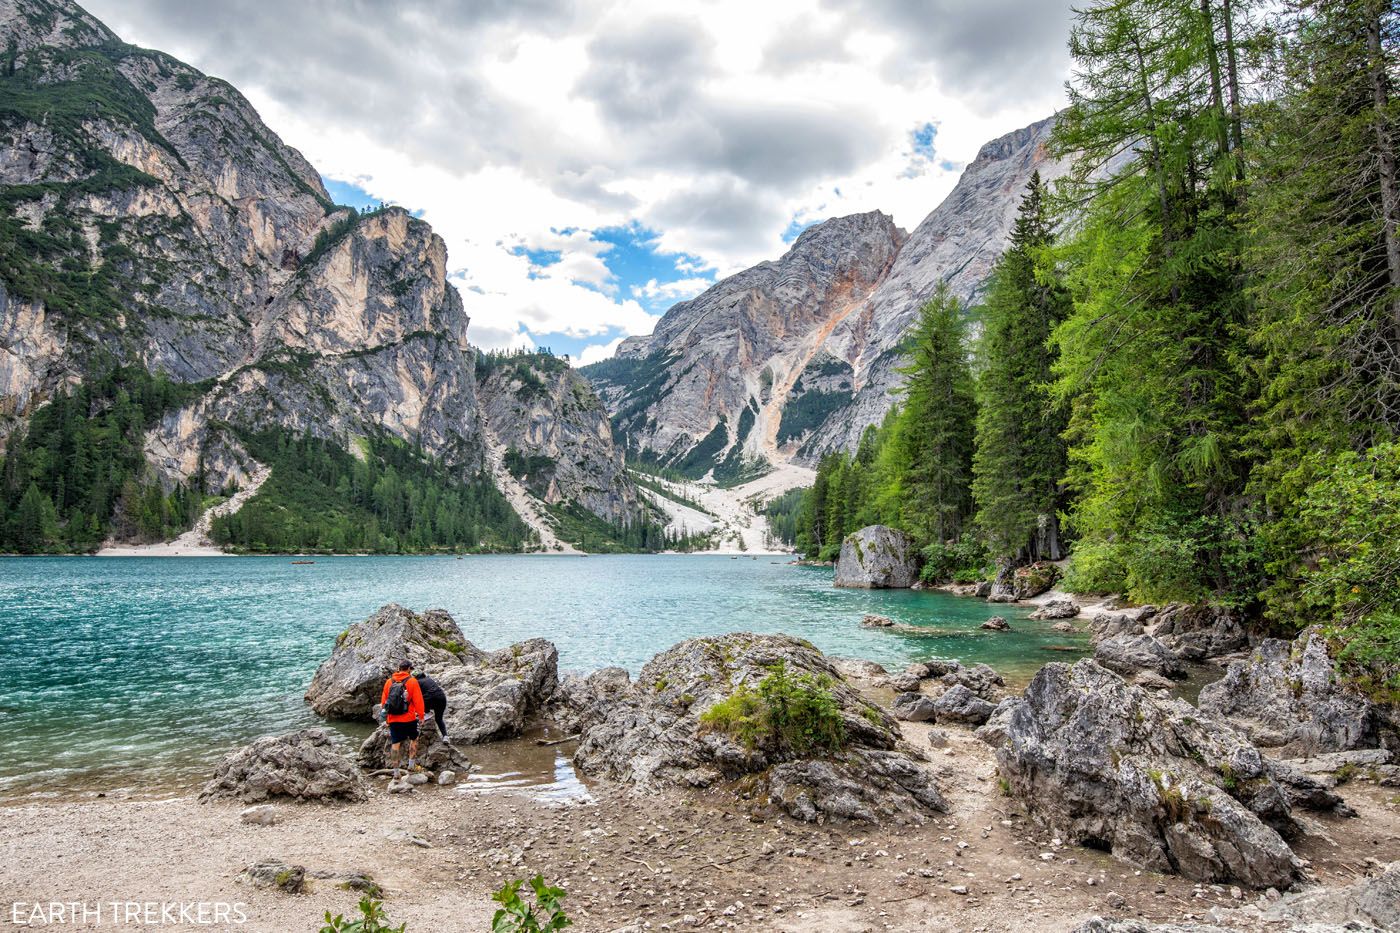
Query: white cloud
597, 352
529, 124
678, 290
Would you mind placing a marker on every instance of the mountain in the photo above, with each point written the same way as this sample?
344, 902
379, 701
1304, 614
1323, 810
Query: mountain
150, 219
794, 358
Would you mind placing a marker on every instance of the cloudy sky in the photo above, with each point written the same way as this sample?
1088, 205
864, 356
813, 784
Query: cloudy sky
590, 163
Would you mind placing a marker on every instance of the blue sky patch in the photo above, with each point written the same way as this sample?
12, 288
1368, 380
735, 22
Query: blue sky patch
923, 138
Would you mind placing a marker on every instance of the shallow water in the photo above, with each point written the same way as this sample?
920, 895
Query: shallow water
141, 672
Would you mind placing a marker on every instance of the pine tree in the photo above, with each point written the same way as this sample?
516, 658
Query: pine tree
34, 522
935, 427
1020, 455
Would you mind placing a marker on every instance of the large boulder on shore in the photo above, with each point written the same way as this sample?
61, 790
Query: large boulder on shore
1288, 695
1128, 654
1013, 584
581, 702
878, 557
658, 735
1198, 632
434, 753
1102, 764
347, 685
304, 766
497, 694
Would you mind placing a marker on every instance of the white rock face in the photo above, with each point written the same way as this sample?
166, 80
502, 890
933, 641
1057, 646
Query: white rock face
809, 343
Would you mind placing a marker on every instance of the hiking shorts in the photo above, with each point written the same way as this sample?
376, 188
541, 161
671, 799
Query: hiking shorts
402, 731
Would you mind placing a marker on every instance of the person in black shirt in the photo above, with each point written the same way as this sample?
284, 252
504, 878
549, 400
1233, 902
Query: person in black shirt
434, 698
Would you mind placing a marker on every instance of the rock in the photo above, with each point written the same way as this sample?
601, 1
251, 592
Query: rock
1015, 584
399, 786
993, 732
877, 557
1056, 609
417, 779
580, 702
1198, 633
1305, 790
1063, 627
1289, 696
1151, 680
655, 738
1128, 654
1156, 784
914, 707
1361, 759
959, 704
1106, 625
937, 739
981, 679
857, 668
290, 879
997, 624
262, 815
497, 694
303, 766
433, 753
348, 684
873, 621
904, 682
446, 778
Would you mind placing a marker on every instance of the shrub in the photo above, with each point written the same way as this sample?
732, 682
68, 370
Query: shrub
794, 714
372, 920
963, 561
517, 916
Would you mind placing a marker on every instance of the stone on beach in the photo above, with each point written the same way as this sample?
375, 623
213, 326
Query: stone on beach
304, 766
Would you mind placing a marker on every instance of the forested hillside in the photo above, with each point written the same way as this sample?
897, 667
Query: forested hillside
1188, 368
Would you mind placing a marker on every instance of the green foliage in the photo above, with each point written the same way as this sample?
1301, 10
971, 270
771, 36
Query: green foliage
809, 409
793, 715
596, 535
701, 457
394, 500
517, 916
784, 515
1020, 454
78, 474
372, 919
962, 561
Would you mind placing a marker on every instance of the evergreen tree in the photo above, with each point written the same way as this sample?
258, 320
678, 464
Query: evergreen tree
934, 430
1020, 455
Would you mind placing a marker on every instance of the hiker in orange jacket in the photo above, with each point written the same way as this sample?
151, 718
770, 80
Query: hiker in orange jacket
402, 705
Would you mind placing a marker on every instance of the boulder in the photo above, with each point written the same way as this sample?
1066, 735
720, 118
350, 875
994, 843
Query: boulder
433, 753
1151, 680
1064, 627
993, 731
303, 766
913, 707
1128, 654
1106, 625
497, 694
959, 704
290, 879
871, 620
581, 702
260, 815
904, 682
981, 679
1056, 609
1289, 696
347, 685
695, 718
1099, 762
877, 557
1015, 584
1199, 632
858, 668
997, 624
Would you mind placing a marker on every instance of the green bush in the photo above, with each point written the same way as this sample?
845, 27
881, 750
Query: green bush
964, 561
372, 920
517, 916
791, 714
1096, 567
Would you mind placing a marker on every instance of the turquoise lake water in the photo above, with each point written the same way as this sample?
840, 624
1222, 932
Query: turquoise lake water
119, 673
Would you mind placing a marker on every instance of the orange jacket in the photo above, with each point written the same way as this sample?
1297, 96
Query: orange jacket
415, 698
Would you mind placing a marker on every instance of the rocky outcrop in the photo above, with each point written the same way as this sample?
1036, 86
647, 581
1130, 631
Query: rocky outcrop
582, 702
1016, 583
877, 557
1158, 784
960, 705
435, 755
349, 683
1199, 632
304, 766
997, 624
497, 694
1128, 654
1290, 696
982, 680
1056, 609
668, 731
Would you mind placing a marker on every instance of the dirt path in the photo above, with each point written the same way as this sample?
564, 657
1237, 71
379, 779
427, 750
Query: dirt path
524, 504
195, 542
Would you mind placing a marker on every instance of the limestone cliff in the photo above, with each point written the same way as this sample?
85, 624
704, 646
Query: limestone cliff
148, 216
809, 345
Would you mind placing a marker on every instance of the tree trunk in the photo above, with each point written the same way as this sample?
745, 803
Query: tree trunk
1217, 96
1232, 77
1389, 182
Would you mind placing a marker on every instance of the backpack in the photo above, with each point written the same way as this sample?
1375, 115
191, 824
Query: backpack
397, 704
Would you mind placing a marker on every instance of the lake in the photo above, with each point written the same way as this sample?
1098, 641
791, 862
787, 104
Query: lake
139, 673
